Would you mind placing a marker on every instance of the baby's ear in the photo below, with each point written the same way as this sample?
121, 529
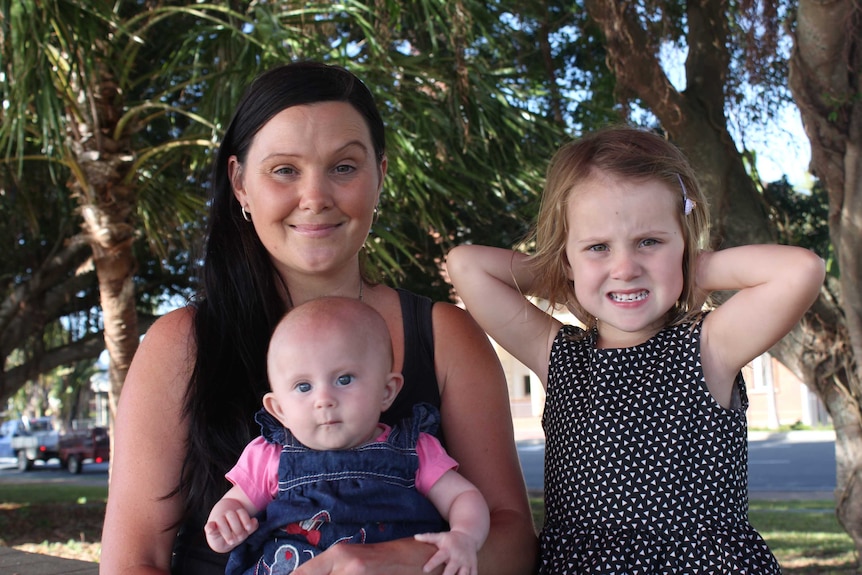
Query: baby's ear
271, 404
394, 383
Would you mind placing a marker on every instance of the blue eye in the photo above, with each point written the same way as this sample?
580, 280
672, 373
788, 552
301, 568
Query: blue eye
598, 248
303, 387
344, 379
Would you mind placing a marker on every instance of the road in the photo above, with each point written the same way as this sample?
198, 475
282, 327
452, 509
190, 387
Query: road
794, 465
51, 473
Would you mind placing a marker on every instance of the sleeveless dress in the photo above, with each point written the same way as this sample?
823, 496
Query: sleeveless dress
645, 473
192, 555
362, 495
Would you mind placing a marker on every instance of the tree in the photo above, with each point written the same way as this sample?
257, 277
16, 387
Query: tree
96, 99
826, 347
825, 73
68, 93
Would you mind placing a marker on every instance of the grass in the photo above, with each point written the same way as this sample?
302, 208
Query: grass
66, 521
805, 536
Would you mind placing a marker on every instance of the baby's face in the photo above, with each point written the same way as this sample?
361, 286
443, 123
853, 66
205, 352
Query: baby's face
329, 386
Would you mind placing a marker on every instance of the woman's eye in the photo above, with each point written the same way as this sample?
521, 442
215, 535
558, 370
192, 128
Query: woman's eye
649, 242
598, 248
343, 169
285, 171
344, 379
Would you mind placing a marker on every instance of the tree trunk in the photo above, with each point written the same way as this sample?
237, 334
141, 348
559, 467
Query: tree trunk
108, 209
825, 71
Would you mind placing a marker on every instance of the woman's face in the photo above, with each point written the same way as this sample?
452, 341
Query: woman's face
310, 183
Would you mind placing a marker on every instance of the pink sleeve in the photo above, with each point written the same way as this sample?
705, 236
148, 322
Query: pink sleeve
256, 472
433, 462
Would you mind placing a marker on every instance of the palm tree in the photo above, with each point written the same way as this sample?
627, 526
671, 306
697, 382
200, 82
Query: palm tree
80, 95
94, 93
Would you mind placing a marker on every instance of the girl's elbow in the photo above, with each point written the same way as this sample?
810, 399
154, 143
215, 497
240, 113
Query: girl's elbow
815, 271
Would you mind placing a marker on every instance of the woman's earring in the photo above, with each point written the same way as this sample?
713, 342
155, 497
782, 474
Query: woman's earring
246, 215
374, 217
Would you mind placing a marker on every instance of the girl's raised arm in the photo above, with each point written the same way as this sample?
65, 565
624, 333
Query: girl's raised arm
774, 286
492, 282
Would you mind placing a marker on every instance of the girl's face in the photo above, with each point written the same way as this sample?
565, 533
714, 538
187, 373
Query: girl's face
624, 249
311, 182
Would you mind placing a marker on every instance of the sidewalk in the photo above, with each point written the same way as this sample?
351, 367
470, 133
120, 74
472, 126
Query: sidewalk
527, 428
14, 562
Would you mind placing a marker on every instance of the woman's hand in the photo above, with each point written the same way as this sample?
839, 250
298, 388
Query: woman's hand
399, 557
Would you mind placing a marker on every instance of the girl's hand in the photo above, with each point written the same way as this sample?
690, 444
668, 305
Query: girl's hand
229, 530
455, 550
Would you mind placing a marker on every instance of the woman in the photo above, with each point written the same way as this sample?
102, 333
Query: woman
295, 189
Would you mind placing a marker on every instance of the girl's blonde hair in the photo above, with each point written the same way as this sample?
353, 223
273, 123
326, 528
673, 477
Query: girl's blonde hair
630, 153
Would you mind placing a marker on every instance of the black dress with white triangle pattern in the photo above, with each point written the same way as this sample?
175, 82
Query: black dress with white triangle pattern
645, 473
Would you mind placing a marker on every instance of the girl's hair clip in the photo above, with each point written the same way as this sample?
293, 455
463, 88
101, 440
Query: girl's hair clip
688, 203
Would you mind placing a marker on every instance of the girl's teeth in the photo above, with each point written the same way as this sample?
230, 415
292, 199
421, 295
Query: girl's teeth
629, 297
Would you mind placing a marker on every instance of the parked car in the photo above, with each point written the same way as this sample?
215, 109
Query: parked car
30, 440
6, 439
86, 445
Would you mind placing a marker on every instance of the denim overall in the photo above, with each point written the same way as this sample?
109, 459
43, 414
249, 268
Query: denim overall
362, 495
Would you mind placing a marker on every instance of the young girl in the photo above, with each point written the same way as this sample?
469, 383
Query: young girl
646, 456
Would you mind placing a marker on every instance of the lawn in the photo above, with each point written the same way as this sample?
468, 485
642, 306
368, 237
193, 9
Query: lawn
66, 521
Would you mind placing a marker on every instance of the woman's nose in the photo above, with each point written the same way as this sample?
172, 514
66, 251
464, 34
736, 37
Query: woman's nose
316, 194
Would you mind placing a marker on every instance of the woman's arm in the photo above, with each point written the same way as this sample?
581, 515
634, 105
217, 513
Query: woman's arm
477, 422
774, 286
149, 443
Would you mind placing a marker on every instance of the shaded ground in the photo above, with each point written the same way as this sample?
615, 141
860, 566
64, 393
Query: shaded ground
70, 530
74, 531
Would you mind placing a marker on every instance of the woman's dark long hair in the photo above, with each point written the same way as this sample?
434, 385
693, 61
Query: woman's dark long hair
240, 303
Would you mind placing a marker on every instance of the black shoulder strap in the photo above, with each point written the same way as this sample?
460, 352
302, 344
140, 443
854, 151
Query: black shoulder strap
420, 377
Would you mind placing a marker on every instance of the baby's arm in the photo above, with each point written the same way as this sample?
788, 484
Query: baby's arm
492, 282
231, 521
774, 286
461, 504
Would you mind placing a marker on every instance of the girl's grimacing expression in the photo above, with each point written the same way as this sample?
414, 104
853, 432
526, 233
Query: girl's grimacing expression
329, 384
624, 250
310, 182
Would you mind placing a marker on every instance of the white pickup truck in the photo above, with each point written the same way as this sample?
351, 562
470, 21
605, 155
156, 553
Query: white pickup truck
29, 440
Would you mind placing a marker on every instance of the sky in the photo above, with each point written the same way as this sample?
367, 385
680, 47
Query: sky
783, 148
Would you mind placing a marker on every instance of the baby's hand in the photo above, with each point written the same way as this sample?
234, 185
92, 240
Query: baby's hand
454, 548
229, 530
